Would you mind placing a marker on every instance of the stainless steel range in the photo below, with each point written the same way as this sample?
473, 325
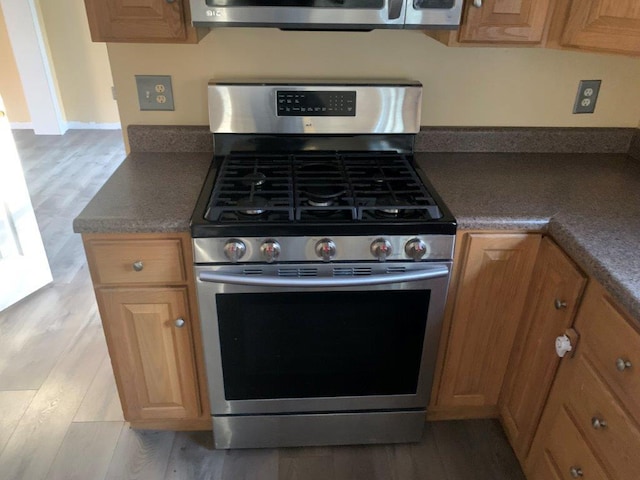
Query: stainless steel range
322, 258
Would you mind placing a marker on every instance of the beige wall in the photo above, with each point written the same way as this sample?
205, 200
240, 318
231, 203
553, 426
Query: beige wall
463, 86
10, 84
81, 68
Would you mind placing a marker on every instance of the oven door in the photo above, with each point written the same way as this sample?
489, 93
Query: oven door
321, 338
300, 14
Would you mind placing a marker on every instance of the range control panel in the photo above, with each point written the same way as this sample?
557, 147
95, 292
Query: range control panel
292, 103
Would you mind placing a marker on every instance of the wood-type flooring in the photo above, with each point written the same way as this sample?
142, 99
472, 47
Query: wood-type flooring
60, 417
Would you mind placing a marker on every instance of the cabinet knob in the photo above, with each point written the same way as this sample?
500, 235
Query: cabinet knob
170, 1
598, 423
179, 322
477, 3
138, 266
576, 472
559, 304
563, 345
622, 364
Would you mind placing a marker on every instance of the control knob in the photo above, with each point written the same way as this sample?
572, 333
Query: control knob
270, 250
234, 249
381, 249
326, 249
415, 248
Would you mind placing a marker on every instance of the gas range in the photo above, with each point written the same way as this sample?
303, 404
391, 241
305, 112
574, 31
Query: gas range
322, 262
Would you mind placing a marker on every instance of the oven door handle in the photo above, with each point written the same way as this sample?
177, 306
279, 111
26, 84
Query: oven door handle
323, 282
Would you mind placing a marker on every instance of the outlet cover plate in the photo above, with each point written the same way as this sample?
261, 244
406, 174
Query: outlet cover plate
155, 92
587, 96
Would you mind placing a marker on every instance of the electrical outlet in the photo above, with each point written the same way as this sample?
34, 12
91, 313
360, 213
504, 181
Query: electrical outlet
587, 95
155, 92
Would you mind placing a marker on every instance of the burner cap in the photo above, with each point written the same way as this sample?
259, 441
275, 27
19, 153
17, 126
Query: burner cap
254, 179
389, 206
252, 205
323, 196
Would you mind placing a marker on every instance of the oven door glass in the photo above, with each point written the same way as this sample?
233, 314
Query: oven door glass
359, 4
321, 344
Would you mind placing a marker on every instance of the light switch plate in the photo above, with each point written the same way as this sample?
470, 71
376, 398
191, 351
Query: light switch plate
155, 92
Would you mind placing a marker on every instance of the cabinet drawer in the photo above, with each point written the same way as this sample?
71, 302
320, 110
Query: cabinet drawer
606, 425
136, 261
610, 341
566, 455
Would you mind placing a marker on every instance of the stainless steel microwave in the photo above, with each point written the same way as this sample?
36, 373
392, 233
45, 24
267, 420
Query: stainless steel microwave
327, 14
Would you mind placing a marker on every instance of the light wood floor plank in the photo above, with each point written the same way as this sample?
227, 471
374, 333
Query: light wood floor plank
101, 403
140, 455
417, 460
86, 451
12, 407
251, 465
193, 458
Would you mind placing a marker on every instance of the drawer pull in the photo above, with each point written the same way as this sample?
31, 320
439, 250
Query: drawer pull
477, 3
576, 472
598, 423
138, 266
622, 364
559, 304
179, 323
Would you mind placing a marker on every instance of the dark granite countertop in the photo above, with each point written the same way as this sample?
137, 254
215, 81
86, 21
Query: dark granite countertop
589, 204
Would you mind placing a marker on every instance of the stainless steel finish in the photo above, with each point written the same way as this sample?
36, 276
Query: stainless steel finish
477, 3
207, 292
391, 16
324, 282
598, 423
622, 364
381, 249
576, 472
326, 249
303, 249
433, 17
179, 322
415, 248
138, 266
273, 431
270, 250
234, 250
559, 304
251, 108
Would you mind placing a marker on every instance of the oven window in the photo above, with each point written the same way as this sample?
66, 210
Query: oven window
373, 4
321, 344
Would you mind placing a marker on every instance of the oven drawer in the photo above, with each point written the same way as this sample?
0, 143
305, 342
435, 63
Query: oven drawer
120, 261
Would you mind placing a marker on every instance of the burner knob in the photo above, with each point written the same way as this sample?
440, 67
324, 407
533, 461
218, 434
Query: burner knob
326, 249
415, 248
270, 250
381, 249
235, 249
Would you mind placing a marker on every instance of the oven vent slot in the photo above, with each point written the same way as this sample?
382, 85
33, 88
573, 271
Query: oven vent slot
351, 271
252, 271
298, 272
396, 269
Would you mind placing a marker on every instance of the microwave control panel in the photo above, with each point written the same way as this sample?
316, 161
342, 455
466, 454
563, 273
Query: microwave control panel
296, 103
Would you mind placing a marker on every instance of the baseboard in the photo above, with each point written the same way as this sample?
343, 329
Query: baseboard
71, 126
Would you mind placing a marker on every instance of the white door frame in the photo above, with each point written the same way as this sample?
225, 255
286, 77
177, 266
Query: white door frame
34, 67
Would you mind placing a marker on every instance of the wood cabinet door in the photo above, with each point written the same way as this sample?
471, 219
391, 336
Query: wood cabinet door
492, 280
552, 303
138, 20
602, 25
150, 344
505, 21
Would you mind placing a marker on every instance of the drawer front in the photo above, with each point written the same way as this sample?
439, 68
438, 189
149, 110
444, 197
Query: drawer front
606, 425
136, 261
566, 454
613, 345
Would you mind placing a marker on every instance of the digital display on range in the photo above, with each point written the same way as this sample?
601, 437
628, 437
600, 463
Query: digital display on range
315, 104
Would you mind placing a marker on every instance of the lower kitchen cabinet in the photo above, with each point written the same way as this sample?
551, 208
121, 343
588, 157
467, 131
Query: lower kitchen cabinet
589, 427
145, 291
488, 291
552, 302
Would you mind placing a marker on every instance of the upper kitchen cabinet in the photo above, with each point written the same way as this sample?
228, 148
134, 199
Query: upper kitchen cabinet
597, 25
152, 21
500, 22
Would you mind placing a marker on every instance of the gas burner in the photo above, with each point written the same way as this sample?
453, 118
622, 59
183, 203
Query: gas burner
252, 206
254, 179
390, 206
322, 196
